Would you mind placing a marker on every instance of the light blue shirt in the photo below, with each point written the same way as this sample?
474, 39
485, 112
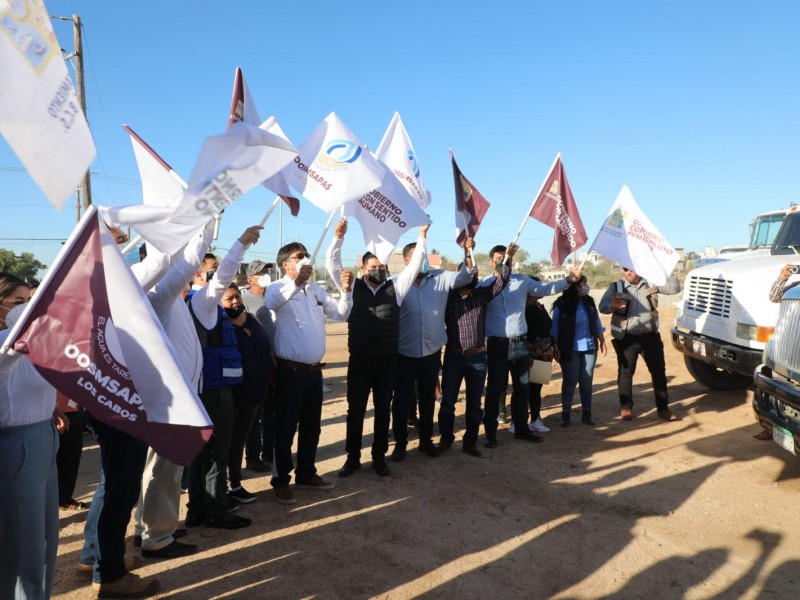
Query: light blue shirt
422, 313
506, 315
583, 341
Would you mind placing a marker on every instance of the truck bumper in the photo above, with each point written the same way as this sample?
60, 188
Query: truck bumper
736, 359
776, 403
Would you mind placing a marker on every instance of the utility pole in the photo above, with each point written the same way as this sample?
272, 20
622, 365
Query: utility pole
77, 54
86, 184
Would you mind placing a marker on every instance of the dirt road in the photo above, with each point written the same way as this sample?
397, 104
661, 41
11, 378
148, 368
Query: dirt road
691, 509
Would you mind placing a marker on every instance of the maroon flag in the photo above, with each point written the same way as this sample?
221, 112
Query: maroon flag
471, 207
243, 108
555, 207
92, 334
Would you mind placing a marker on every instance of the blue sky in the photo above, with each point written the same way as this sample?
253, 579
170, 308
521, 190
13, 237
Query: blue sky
693, 105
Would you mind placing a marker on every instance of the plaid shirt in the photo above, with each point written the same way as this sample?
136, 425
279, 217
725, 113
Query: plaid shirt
779, 288
465, 317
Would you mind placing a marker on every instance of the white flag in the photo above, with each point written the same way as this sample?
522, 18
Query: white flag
229, 165
629, 238
161, 185
385, 214
397, 153
39, 112
333, 167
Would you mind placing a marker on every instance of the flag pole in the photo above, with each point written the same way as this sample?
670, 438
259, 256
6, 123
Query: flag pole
269, 212
324, 234
131, 245
535, 198
463, 218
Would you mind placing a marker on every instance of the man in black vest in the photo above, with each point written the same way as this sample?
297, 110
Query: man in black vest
372, 339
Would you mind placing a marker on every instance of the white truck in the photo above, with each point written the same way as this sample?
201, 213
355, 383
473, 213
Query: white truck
725, 318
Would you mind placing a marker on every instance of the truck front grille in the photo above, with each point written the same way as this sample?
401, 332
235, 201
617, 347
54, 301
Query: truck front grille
786, 340
709, 295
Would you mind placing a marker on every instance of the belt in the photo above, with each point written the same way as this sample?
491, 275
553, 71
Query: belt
465, 351
513, 340
298, 366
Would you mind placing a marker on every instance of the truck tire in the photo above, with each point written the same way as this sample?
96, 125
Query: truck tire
716, 378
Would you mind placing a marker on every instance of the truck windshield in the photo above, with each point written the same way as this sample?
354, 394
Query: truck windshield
764, 230
788, 239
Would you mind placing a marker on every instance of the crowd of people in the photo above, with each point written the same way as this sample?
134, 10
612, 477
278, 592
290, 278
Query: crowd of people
255, 357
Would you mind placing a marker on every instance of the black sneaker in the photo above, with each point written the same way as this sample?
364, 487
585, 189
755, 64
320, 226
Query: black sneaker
429, 450
227, 521
399, 453
242, 496
233, 505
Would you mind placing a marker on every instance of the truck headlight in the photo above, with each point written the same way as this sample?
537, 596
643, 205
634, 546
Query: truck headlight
756, 333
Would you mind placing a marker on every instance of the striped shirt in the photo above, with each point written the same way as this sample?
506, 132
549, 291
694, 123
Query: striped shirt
465, 316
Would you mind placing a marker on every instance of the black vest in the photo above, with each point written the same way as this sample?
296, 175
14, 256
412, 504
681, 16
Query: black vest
566, 326
373, 327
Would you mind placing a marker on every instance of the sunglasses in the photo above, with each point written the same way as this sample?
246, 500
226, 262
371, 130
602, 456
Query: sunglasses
300, 256
624, 269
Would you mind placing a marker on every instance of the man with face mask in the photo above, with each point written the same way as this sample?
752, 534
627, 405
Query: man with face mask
372, 339
300, 309
208, 482
507, 346
465, 356
633, 305
422, 335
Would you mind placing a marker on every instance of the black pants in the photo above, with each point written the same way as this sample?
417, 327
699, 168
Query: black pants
628, 350
261, 439
68, 458
365, 375
415, 375
123, 458
298, 408
243, 420
504, 357
208, 472
535, 400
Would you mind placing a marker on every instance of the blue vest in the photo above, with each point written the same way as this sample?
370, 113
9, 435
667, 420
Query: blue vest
222, 363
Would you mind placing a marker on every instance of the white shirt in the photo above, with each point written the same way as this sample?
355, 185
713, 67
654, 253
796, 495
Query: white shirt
300, 318
25, 396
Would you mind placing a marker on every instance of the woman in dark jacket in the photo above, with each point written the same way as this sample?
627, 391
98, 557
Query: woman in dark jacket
540, 345
257, 370
579, 334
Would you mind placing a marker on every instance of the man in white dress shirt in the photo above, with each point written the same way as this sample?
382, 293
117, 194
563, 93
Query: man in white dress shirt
300, 309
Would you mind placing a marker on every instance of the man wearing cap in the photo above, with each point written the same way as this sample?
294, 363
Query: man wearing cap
633, 305
258, 448
300, 309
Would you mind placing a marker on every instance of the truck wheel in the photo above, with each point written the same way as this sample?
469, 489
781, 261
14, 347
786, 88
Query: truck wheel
715, 378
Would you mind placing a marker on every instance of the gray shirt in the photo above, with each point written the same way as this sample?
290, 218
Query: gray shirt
640, 320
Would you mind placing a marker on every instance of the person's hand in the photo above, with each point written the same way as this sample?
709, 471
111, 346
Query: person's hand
574, 275
511, 251
469, 244
303, 275
251, 235
61, 420
423, 231
603, 347
556, 353
618, 303
120, 237
786, 272
347, 280
341, 228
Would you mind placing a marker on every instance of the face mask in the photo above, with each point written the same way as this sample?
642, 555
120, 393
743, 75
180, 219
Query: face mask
583, 290
377, 276
498, 265
264, 280
234, 311
425, 265
303, 262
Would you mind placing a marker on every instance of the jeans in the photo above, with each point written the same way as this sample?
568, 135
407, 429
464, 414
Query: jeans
208, 472
377, 375
415, 376
28, 509
457, 368
628, 350
298, 404
577, 371
89, 550
123, 458
506, 357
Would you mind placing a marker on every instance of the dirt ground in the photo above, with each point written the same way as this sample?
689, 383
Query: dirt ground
691, 509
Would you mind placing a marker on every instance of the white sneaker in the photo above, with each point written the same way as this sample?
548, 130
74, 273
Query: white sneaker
538, 426
511, 428
325, 388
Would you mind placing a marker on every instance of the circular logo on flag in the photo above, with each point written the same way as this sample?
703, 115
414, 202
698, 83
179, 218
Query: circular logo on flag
412, 159
338, 154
